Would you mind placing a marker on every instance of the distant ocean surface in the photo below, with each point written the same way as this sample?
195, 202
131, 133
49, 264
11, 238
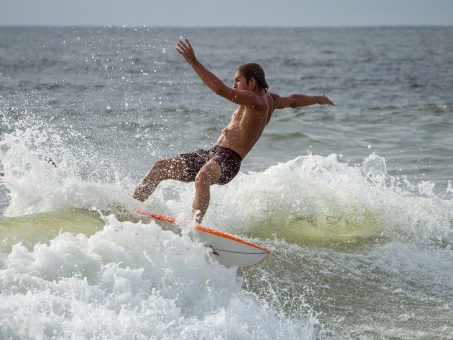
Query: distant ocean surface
354, 201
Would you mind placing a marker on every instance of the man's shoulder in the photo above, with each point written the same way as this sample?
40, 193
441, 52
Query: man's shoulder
273, 95
273, 100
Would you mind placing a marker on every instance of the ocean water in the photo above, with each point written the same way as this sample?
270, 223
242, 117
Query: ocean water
354, 201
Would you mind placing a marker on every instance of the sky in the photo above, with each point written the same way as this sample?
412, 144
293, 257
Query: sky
208, 13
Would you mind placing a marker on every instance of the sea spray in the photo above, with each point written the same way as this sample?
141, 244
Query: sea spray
49, 169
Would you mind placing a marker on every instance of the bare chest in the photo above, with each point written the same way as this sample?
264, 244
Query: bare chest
245, 116
238, 115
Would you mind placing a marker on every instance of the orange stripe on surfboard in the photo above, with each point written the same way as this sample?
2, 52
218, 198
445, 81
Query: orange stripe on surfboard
201, 228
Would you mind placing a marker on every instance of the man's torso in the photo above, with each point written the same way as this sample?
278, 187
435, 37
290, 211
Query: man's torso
246, 127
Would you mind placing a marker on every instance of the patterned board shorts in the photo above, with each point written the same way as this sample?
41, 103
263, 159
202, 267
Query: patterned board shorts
229, 161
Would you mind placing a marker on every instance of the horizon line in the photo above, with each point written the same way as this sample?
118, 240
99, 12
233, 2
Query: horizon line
218, 26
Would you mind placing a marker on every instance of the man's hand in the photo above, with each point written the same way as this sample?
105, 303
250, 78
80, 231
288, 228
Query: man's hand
185, 49
323, 100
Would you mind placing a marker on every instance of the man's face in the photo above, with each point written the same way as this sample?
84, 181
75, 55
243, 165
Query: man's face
241, 84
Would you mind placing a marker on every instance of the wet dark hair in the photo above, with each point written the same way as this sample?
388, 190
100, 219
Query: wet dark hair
253, 70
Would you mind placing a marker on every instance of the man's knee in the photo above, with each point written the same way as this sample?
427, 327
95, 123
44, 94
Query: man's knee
202, 178
162, 164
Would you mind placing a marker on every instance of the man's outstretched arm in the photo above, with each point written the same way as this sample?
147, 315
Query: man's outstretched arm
299, 100
246, 98
209, 78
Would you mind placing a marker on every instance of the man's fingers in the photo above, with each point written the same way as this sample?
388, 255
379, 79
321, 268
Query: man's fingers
183, 47
326, 100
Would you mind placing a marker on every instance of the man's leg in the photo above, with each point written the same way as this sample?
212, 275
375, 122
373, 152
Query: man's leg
208, 175
173, 168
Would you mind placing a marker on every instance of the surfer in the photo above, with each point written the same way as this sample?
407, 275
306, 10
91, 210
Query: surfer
221, 163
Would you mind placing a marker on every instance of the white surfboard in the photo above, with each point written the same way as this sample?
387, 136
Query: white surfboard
227, 249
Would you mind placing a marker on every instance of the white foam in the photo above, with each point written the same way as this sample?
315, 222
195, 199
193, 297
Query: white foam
131, 280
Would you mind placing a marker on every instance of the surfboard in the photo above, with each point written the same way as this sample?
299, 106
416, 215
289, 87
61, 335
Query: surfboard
227, 249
